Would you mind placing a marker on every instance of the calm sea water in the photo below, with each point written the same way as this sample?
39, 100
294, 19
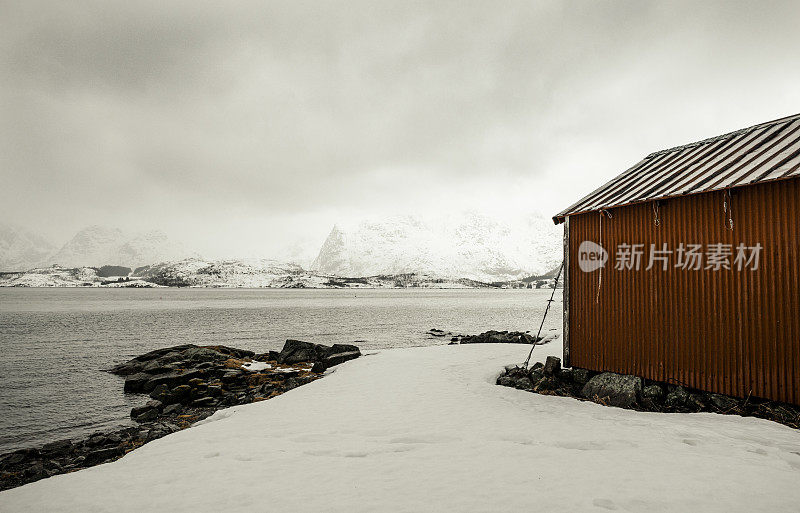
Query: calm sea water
54, 343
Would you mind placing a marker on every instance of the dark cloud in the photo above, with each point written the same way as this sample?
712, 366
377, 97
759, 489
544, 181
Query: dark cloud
193, 115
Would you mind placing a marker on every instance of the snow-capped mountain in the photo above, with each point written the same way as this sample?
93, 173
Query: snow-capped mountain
21, 249
100, 245
468, 245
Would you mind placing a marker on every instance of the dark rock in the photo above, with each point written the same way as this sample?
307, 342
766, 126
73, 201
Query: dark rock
136, 382
536, 376
722, 402
102, 455
620, 390
195, 382
677, 397
499, 337
506, 381
100, 438
343, 348
136, 364
145, 416
204, 402
232, 352
695, 402
523, 383
580, 376
547, 383
538, 366
654, 392
565, 375
145, 413
296, 351
35, 472
205, 354
231, 375
273, 355
552, 366
179, 394
160, 393
172, 379
172, 409
17, 457
156, 367
318, 368
56, 448
214, 390
336, 359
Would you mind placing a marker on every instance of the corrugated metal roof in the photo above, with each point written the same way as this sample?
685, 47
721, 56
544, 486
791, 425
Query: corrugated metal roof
764, 152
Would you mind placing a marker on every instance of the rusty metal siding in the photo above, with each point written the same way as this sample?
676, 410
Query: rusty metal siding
765, 152
732, 332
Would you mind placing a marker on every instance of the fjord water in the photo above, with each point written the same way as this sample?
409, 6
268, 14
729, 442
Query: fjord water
56, 342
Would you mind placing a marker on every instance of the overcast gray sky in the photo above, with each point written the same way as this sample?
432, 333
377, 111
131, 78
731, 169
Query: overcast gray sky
242, 126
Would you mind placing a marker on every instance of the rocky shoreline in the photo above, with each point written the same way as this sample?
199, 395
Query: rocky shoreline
635, 393
186, 384
489, 337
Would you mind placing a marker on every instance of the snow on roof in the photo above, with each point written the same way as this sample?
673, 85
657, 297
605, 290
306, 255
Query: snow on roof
426, 429
760, 153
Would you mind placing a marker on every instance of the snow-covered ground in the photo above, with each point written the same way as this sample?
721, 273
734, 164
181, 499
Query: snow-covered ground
425, 429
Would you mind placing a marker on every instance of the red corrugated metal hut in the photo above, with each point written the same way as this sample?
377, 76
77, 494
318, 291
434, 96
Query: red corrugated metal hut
700, 284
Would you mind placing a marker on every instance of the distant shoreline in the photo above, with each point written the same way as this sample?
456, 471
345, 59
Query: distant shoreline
235, 275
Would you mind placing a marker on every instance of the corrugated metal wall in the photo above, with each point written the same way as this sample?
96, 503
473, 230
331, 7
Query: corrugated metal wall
732, 332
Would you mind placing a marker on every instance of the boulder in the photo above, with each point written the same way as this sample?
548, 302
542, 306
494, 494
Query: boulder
135, 365
343, 348
654, 392
506, 381
677, 397
157, 367
296, 351
523, 383
722, 402
172, 379
147, 412
56, 448
620, 390
173, 409
160, 393
695, 402
179, 394
136, 382
318, 368
204, 402
580, 376
552, 366
336, 359
102, 455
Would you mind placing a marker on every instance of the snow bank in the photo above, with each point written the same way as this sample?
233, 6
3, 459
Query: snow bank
425, 429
